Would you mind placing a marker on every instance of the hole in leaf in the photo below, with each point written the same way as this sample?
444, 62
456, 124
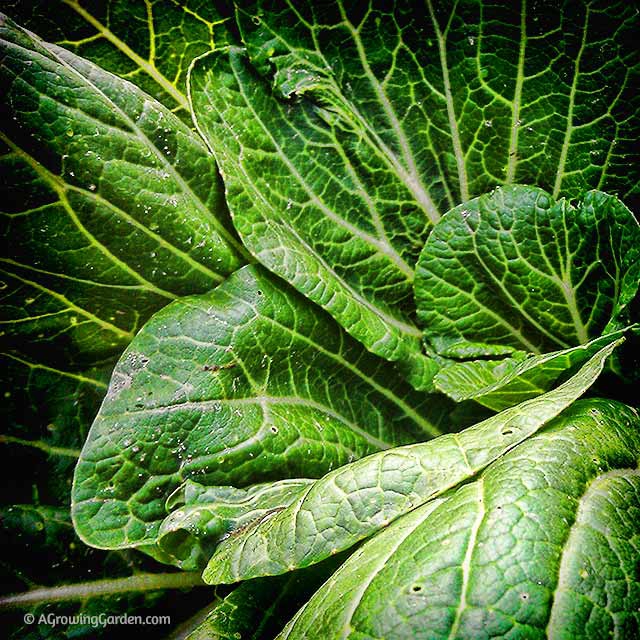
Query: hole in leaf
416, 588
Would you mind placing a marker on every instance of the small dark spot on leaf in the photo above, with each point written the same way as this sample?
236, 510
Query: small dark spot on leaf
416, 588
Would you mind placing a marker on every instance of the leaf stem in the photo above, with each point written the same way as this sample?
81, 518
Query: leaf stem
101, 588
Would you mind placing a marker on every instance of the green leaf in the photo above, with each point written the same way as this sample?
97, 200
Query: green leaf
111, 204
302, 208
46, 414
243, 385
503, 383
544, 544
149, 43
355, 501
343, 133
200, 516
514, 270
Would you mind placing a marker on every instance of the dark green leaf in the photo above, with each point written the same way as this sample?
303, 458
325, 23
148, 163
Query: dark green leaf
514, 270
246, 384
150, 43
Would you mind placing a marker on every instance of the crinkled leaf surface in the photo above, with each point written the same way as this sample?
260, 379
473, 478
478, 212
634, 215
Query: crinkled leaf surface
150, 43
371, 122
358, 499
200, 516
246, 384
503, 383
111, 207
544, 544
515, 270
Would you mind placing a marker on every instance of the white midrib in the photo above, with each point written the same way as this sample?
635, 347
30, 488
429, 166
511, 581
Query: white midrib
357, 594
466, 563
572, 97
512, 160
451, 114
565, 567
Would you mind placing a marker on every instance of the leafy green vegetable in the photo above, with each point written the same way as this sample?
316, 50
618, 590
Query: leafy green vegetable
514, 270
523, 551
370, 124
438, 200
356, 500
245, 384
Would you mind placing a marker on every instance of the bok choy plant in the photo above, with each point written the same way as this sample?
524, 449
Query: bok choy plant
320, 319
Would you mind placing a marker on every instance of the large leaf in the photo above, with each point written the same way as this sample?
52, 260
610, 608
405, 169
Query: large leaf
150, 43
544, 544
359, 499
246, 384
370, 122
112, 207
514, 270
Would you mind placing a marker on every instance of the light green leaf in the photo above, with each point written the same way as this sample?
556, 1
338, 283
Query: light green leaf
503, 383
355, 501
200, 516
112, 207
544, 544
344, 132
150, 43
246, 384
514, 270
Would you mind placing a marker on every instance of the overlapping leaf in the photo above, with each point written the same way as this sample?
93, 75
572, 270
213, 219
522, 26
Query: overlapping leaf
524, 550
370, 123
514, 270
111, 207
504, 383
246, 384
355, 501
